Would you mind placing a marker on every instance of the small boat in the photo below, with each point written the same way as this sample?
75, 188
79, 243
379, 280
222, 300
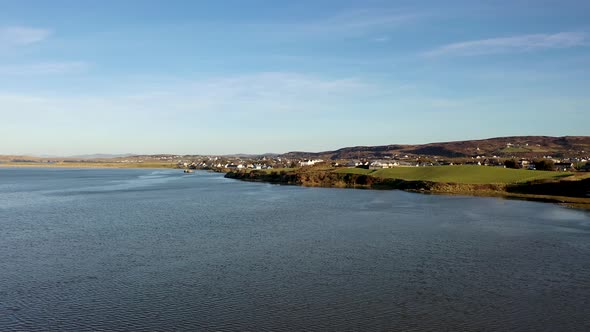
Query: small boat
189, 171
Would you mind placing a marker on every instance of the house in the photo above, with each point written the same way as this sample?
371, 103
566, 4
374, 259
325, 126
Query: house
408, 164
523, 163
352, 163
309, 162
493, 162
378, 164
564, 166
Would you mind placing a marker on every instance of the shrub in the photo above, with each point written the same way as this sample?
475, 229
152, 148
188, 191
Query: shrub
511, 163
544, 165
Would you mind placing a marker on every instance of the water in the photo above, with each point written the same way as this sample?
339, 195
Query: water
160, 250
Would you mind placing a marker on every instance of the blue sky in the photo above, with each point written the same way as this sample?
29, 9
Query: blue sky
217, 77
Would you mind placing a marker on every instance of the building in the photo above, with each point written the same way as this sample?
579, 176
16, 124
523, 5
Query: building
564, 167
310, 162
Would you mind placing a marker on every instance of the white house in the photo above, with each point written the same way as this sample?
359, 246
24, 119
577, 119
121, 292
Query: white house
309, 162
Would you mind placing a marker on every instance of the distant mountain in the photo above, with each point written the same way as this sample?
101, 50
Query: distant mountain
101, 156
504, 147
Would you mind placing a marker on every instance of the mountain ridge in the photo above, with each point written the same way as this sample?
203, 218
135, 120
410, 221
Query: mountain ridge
501, 147
504, 147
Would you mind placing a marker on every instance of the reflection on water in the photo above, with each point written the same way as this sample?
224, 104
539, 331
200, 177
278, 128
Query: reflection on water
159, 250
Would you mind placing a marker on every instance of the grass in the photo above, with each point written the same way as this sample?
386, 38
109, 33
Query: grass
580, 176
538, 150
460, 174
514, 150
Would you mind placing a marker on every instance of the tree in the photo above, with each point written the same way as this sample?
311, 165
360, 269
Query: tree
580, 165
511, 163
544, 165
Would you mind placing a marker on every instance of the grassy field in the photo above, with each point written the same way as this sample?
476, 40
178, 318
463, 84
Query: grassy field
514, 150
459, 174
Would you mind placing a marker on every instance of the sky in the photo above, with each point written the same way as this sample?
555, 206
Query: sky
221, 77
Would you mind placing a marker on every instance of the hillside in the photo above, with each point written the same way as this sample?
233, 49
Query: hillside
505, 147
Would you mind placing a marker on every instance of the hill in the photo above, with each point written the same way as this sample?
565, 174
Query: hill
102, 156
504, 147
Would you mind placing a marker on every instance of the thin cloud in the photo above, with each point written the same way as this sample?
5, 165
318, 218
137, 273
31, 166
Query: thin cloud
348, 24
382, 39
364, 20
14, 36
45, 68
254, 94
515, 44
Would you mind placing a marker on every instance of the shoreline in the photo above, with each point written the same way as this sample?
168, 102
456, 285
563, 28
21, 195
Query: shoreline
562, 192
105, 165
558, 191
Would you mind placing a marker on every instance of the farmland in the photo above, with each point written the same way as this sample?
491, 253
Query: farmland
459, 174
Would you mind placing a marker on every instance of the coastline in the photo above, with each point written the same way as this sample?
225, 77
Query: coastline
88, 165
564, 192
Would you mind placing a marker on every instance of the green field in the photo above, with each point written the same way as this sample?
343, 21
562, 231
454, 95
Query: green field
459, 174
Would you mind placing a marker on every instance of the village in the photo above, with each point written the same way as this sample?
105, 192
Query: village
513, 155
226, 163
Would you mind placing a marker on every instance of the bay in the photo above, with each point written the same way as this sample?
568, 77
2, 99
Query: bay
146, 249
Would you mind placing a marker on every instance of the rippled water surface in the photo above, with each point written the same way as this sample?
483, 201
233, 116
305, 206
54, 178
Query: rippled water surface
160, 250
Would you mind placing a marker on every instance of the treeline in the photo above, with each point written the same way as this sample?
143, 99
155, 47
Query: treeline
542, 164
